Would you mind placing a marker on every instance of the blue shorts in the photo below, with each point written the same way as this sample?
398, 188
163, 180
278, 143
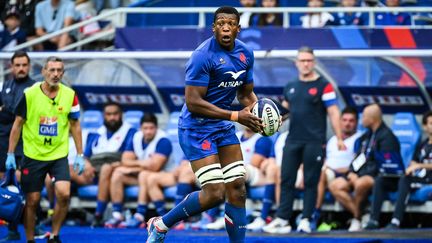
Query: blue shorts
198, 144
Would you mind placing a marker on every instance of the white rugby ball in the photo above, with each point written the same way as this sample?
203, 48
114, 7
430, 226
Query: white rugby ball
267, 110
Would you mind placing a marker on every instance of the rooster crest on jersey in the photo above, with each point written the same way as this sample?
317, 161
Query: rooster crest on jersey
267, 110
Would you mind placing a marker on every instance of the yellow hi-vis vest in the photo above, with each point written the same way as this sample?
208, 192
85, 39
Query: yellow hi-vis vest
46, 129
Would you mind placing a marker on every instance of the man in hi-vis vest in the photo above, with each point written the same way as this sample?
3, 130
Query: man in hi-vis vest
46, 113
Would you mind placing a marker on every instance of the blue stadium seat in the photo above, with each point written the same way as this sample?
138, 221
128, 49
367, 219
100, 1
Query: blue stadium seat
172, 126
88, 192
408, 132
133, 118
131, 192
256, 192
419, 196
91, 120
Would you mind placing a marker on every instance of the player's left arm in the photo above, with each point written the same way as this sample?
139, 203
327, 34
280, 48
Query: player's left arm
75, 129
329, 99
246, 96
75, 125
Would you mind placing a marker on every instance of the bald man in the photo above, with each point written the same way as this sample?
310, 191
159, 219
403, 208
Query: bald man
377, 140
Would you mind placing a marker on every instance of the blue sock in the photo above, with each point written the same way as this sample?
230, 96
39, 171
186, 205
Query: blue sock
117, 207
269, 195
100, 208
316, 214
213, 212
186, 208
235, 223
160, 207
142, 209
182, 190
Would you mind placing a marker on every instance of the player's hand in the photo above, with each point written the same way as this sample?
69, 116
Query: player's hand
246, 118
412, 167
10, 161
341, 145
78, 164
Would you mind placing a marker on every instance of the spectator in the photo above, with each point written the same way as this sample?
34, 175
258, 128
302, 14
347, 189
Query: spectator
418, 173
268, 19
12, 35
349, 18
246, 17
101, 4
392, 18
147, 162
371, 3
84, 10
310, 99
364, 168
26, 11
103, 153
316, 20
51, 16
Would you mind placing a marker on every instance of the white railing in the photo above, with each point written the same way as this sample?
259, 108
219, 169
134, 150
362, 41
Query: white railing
257, 54
118, 18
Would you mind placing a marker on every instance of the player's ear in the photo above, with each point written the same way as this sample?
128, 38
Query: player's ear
213, 27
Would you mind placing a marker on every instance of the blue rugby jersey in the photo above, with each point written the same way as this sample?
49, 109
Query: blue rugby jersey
222, 72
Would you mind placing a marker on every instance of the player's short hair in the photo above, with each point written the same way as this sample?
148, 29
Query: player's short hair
149, 117
350, 110
226, 10
306, 49
113, 103
19, 54
52, 59
426, 115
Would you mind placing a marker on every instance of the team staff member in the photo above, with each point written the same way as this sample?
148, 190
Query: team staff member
10, 95
45, 115
309, 100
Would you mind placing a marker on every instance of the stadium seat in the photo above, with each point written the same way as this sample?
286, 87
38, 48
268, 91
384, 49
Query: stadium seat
91, 120
172, 126
131, 192
88, 192
133, 118
360, 126
407, 130
256, 192
419, 196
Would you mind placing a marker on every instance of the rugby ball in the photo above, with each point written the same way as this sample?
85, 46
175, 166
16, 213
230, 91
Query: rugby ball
267, 110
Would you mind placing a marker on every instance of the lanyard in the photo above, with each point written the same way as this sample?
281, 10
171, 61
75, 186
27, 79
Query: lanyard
369, 146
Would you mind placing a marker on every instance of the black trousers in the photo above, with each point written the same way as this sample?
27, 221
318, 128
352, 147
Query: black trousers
312, 156
384, 185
